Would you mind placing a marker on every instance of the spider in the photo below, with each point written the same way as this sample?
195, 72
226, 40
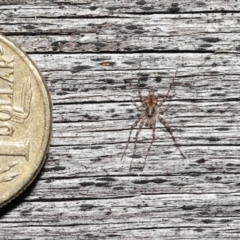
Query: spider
150, 111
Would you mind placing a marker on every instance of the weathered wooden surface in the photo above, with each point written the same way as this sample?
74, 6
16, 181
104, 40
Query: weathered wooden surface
89, 53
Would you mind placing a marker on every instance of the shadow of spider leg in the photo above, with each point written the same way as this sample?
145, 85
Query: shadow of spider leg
151, 143
130, 133
166, 125
136, 138
168, 92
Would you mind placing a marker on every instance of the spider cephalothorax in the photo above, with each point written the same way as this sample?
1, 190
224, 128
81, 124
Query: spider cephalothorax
150, 103
150, 112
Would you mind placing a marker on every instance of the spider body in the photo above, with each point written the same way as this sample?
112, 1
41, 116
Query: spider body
150, 112
150, 103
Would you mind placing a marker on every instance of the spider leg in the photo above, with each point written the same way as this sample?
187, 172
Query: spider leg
166, 125
169, 89
137, 107
136, 138
151, 143
138, 85
129, 137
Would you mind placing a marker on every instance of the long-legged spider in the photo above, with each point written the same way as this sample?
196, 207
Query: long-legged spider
150, 112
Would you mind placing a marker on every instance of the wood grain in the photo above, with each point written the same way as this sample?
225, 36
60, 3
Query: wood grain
89, 53
201, 32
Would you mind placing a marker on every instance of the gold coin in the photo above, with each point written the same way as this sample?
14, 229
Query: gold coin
25, 121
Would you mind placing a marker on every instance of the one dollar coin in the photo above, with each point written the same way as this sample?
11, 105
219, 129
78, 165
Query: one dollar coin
25, 121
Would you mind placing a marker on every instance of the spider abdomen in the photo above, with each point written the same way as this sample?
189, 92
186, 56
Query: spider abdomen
150, 111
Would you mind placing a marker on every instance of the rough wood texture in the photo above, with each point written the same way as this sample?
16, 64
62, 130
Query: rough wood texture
89, 53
